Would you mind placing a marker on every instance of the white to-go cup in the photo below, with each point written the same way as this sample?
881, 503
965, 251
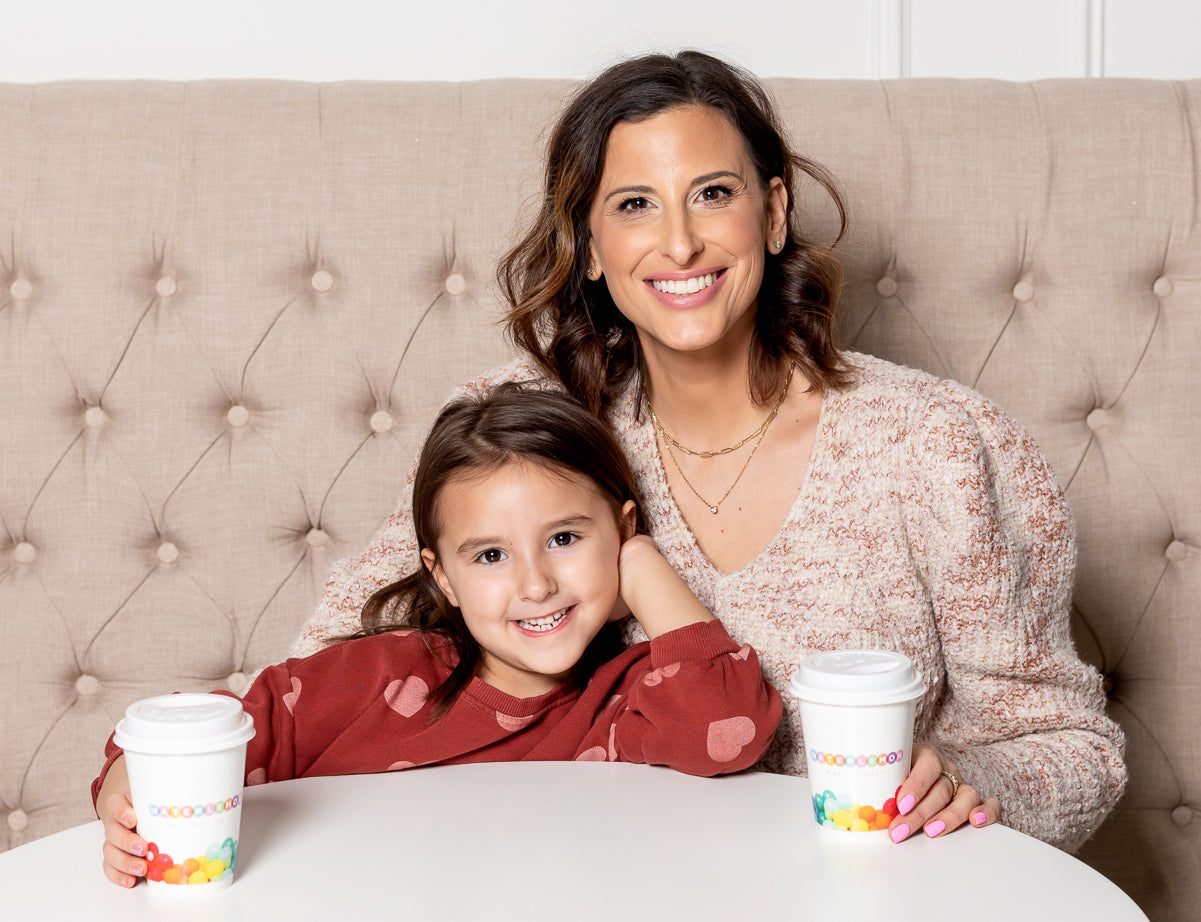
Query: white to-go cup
186, 758
857, 720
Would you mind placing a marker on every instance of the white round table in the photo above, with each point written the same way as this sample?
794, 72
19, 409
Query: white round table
538, 841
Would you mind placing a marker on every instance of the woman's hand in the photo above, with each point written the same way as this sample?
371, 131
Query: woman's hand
925, 799
124, 850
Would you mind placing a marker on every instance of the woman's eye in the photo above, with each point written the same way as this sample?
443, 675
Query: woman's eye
711, 194
563, 539
634, 204
492, 555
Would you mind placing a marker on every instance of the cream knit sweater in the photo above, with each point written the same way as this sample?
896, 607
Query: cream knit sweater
929, 522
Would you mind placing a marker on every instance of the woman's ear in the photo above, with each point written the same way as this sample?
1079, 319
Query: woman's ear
430, 561
777, 213
627, 524
594, 270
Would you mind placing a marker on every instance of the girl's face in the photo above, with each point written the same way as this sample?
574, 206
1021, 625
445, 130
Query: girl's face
679, 227
529, 556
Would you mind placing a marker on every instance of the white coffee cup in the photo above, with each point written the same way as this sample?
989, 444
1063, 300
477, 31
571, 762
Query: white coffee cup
857, 711
186, 758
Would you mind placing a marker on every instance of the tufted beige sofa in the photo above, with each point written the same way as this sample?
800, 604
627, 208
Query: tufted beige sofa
228, 308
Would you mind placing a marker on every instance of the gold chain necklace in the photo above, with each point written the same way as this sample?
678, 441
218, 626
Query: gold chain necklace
668, 442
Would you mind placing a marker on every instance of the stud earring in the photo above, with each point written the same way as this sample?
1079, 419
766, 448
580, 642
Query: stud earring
779, 244
592, 274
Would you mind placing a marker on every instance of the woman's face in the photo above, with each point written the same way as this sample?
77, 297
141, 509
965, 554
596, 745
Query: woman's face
680, 226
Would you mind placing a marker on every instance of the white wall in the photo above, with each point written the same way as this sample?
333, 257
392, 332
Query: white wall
470, 39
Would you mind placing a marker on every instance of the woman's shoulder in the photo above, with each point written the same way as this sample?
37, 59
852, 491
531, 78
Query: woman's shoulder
519, 371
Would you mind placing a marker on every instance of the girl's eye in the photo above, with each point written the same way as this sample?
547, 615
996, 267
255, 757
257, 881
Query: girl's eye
492, 555
563, 539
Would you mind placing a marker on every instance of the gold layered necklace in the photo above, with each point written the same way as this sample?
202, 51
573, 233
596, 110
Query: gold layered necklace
757, 436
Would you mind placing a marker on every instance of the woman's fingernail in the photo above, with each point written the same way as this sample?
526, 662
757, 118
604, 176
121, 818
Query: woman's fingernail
136, 849
934, 828
900, 833
980, 818
907, 803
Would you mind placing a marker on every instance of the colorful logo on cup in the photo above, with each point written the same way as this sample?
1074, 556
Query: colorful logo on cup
195, 811
839, 760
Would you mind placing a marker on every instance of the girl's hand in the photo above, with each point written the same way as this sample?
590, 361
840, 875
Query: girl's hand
926, 803
124, 849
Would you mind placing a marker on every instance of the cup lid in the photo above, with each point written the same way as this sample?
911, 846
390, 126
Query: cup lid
184, 724
856, 677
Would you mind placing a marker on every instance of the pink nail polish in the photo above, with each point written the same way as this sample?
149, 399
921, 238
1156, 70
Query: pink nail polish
900, 833
908, 802
934, 828
980, 818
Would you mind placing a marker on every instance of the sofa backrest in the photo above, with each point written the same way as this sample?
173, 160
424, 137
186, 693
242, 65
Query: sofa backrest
229, 309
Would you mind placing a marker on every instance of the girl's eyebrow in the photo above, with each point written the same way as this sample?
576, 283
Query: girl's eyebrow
698, 181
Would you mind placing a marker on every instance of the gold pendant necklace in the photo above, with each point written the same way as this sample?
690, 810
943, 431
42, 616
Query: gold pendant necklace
758, 435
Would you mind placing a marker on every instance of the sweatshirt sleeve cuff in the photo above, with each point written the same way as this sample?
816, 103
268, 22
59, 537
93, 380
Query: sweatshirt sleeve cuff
702, 641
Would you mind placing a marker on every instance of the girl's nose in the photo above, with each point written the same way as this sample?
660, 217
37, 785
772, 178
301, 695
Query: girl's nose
537, 581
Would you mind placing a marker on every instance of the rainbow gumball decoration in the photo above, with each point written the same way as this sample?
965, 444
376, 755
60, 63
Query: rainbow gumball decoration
216, 861
838, 812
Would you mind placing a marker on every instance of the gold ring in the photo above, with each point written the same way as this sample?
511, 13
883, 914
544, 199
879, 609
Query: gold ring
954, 782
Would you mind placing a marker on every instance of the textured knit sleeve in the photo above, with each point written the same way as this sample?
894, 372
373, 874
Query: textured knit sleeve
1022, 716
700, 706
392, 552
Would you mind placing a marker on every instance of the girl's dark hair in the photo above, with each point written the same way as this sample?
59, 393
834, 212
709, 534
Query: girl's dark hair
571, 326
474, 436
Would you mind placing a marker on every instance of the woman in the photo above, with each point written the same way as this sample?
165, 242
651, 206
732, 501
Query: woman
811, 499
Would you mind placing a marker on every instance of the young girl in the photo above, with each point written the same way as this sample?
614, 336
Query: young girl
503, 646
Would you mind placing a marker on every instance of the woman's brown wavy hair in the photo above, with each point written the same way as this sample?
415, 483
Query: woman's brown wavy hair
570, 325
473, 436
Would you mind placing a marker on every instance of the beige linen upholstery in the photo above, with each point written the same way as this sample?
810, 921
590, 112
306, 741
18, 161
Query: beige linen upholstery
228, 309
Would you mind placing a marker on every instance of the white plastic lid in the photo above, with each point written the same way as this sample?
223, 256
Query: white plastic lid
184, 724
853, 677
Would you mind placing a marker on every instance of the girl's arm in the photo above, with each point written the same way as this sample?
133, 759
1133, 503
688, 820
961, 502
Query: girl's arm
654, 591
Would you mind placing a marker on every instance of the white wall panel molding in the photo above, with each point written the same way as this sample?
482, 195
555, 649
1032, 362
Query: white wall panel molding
890, 38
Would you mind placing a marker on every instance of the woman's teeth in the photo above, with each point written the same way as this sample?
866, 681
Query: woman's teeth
544, 624
684, 286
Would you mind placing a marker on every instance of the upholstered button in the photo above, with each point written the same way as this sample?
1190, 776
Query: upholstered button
21, 289
1182, 815
1177, 551
87, 685
1163, 287
316, 537
167, 552
17, 820
24, 552
238, 416
1023, 291
1097, 419
887, 287
455, 284
321, 280
94, 417
236, 682
165, 286
381, 421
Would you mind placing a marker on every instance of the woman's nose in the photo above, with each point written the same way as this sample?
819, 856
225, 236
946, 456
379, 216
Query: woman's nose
680, 240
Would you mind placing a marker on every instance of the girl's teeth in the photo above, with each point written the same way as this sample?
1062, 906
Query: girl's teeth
544, 624
684, 286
